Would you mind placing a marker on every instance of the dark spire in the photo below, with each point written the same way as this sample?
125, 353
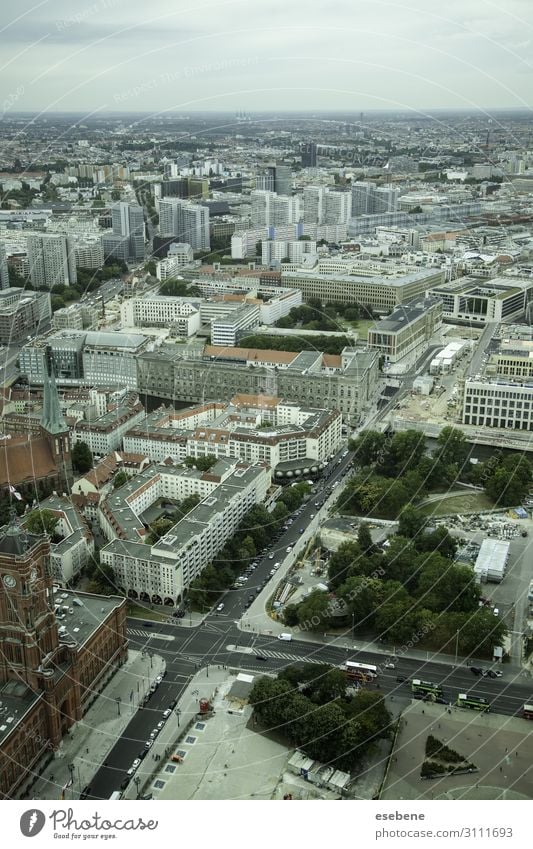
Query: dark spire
52, 419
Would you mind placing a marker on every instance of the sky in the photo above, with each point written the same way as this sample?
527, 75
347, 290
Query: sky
95, 56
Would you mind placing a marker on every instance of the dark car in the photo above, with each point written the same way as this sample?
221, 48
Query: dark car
475, 670
123, 785
400, 679
260, 657
142, 754
173, 704
491, 674
148, 624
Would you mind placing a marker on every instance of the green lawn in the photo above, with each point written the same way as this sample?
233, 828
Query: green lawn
467, 503
145, 613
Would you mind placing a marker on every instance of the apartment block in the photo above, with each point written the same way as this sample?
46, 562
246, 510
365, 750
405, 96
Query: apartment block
162, 573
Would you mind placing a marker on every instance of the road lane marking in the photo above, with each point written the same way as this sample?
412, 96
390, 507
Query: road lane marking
137, 633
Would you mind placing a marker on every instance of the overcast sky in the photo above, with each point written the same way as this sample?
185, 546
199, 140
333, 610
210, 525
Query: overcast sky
157, 55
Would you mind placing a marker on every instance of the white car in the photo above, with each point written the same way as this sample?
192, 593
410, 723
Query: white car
159, 679
220, 607
167, 713
135, 765
496, 611
390, 666
271, 556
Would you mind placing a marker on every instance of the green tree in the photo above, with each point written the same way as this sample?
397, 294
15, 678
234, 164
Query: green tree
510, 481
42, 522
120, 479
411, 522
404, 452
82, 459
368, 447
313, 612
364, 539
452, 447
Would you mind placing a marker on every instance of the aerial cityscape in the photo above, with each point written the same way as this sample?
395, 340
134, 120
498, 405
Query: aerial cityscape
266, 409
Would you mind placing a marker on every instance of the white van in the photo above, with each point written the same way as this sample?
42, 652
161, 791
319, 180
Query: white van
286, 637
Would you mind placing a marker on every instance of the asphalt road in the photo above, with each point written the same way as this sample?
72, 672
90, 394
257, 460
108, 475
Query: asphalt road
219, 641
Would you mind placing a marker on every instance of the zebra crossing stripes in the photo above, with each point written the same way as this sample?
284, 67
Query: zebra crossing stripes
149, 634
278, 655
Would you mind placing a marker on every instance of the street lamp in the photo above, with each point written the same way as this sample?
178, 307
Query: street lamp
137, 782
178, 714
118, 701
71, 769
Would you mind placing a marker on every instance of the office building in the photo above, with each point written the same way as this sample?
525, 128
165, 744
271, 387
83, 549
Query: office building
4, 269
369, 199
178, 314
23, 313
381, 293
162, 573
104, 433
308, 152
179, 255
471, 302
59, 649
229, 329
51, 260
128, 224
347, 382
406, 329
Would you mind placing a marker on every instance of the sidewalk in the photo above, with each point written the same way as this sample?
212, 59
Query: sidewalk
88, 743
204, 685
192, 619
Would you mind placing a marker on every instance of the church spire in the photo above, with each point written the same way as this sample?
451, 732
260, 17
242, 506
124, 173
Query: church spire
52, 420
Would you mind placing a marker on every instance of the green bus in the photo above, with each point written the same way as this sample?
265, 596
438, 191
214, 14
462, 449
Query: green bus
426, 688
472, 702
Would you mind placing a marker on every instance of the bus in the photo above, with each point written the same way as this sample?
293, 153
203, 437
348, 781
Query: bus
426, 687
360, 671
527, 711
472, 702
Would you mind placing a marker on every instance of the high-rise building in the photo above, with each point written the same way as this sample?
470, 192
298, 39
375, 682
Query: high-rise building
275, 178
4, 270
51, 260
188, 221
128, 223
369, 199
309, 155
326, 206
271, 210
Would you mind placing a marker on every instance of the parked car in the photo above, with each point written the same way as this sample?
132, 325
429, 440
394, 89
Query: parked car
148, 744
167, 713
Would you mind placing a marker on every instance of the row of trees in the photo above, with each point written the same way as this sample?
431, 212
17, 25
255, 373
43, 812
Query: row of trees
178, 288
328, 344
315, 316
311, 707
411, 590
254, 533
393, 472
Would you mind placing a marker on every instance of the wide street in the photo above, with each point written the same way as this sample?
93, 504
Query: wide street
220, 641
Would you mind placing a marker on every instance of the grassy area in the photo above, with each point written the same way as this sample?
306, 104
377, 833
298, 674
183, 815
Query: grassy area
361, 326
467, 503
145, 613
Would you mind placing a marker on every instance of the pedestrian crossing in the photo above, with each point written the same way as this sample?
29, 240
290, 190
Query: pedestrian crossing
275, 655
137, 632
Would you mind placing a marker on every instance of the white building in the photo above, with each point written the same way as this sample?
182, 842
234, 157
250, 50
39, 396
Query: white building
268, 208
230, 328
179, 255
51, 259
162, 573
273, 252
161, 311
188, 221
4, 270
292, 439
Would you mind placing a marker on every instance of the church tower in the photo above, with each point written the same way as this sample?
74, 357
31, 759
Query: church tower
55, 429
32, 654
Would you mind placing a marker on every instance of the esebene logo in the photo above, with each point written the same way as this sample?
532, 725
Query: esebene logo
65, 824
